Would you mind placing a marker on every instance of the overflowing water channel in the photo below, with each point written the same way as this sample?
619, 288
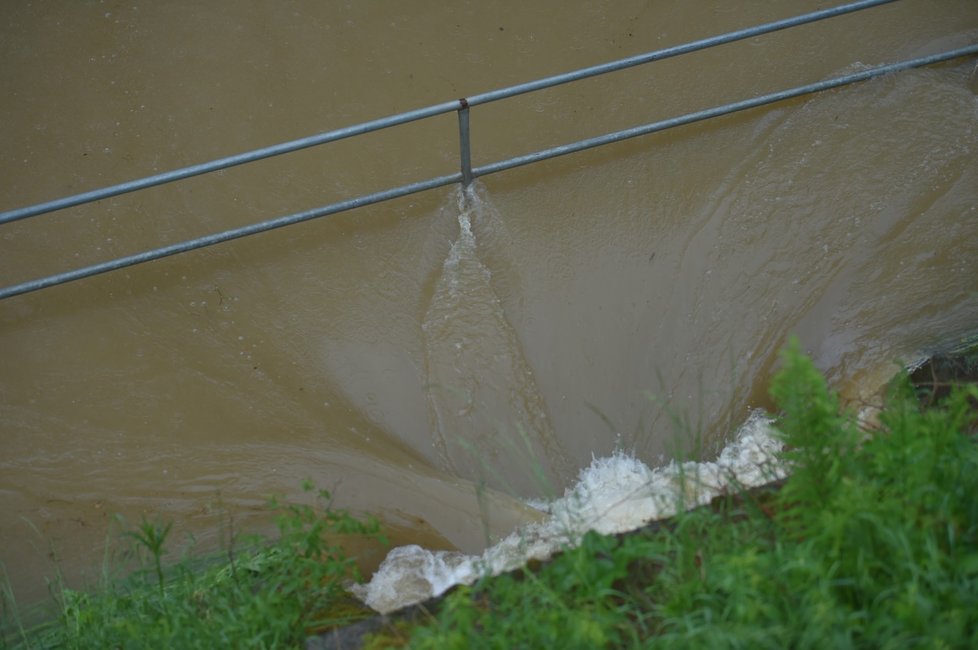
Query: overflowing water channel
439, 359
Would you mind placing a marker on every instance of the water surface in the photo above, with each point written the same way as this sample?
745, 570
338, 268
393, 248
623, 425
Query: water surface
415, 355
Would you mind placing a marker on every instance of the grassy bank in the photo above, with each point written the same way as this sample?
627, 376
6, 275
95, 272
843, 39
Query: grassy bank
258, 594
871, 542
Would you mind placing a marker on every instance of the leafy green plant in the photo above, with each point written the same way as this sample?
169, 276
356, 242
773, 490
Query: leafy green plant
9, 614
871, 542
263, 595
152, 537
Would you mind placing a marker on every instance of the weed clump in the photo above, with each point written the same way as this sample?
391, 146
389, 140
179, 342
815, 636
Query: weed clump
262, 595
871, 542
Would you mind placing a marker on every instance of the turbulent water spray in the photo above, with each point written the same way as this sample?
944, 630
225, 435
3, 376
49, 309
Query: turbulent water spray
613, 495
488, 419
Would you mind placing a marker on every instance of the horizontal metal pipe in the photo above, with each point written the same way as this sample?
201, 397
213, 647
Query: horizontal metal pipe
484, 170
230, 161
422, 113
668, 52
717, 111
227, 235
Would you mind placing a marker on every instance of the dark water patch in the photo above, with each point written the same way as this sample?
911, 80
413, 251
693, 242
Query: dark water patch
938, 376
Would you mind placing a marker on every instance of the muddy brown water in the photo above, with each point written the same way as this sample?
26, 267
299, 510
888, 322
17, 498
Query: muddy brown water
386, 353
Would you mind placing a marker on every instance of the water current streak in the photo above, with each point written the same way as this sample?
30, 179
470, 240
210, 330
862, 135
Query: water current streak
488, 418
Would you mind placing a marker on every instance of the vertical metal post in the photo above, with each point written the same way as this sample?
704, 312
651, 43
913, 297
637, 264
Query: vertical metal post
465, 150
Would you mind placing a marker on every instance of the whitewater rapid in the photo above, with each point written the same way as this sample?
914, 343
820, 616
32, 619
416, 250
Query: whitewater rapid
612, 495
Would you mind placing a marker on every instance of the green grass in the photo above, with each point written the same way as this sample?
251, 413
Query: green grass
872, 542
261, 595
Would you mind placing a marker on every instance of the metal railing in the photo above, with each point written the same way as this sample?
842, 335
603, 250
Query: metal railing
467, 172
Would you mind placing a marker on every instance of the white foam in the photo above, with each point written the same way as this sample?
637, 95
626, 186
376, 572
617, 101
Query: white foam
612, 495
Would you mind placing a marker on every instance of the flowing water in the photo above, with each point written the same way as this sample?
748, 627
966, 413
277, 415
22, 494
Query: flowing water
438, 359
488, 416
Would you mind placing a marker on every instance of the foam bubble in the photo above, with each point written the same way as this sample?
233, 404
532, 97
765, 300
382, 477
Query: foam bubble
612, 495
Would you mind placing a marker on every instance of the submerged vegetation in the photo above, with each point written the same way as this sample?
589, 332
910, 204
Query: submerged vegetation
872, 541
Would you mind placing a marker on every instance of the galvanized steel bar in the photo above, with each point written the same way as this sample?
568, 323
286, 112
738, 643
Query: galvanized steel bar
717, 111
230, 161
431, 111
464, 145
668, 52
484, 170
227, 235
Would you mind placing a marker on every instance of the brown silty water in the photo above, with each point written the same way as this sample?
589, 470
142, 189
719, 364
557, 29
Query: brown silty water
404, 355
